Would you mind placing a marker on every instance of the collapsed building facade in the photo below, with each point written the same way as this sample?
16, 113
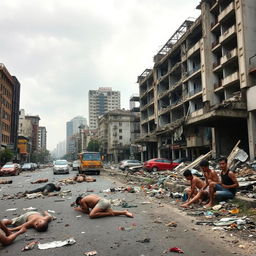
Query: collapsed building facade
200, 94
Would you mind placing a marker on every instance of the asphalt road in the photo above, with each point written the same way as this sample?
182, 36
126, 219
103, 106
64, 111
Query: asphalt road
103, 235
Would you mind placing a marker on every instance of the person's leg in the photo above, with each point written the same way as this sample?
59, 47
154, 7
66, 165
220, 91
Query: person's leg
9, 237
213, 187
34, 191
97, 213
223, 195
199, 195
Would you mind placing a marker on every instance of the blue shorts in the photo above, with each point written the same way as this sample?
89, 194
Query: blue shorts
223, 194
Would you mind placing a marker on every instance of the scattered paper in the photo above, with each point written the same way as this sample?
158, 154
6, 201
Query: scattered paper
56, 244
11, 209
30, 209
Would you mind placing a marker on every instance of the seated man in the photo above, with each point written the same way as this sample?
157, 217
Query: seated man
195, 184
50, 187
82, 178
227, 188
211, 178
98, 207
6, 236
30, 220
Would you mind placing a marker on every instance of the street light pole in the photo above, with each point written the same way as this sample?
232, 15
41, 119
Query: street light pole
81, 128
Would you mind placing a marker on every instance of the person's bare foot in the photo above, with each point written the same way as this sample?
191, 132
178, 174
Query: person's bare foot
128, 214
208, 206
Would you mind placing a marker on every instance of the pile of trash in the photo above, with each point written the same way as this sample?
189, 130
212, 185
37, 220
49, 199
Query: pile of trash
20, 195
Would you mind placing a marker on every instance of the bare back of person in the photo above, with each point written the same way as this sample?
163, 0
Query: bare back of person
91, 200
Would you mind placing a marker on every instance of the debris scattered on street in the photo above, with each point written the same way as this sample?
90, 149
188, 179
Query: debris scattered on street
30, 209
145, 240
29, 246
91, 253
56, 244
11, 209
176, 249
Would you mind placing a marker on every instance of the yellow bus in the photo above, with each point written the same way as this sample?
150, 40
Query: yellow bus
90, 162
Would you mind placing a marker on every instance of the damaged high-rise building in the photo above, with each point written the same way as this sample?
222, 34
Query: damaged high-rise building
200, 94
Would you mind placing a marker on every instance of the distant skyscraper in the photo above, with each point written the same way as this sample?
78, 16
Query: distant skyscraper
42, 137
71, 130
100, 102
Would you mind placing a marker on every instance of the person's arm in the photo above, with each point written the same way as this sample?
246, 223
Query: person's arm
48, 216
232, 176
206, 182
83, 208
25, 225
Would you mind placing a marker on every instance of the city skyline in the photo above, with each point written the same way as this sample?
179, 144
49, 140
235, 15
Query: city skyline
60, 51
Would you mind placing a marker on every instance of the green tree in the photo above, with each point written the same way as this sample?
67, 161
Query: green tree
93, 145
40, 156
6, 156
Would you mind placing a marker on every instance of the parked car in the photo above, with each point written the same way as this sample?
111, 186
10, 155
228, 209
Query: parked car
159, 164
76, 165
10, 169
28, 167
181, 160
123, 165
60, 167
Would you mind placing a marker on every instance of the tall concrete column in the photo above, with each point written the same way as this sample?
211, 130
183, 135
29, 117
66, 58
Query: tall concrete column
214, 150
158, 148
251, 123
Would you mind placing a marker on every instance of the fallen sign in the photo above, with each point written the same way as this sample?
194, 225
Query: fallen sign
56, 244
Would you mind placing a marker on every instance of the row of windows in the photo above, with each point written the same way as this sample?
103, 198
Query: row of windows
5, 139
5, 127
6, 116
5, 102
5, 91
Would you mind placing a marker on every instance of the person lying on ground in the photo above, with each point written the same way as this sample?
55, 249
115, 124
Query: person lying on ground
50, 187
196, 184
6, 236
83, 177
97, 207
227, 188
211, 178
30, 219
39, 181
5, 181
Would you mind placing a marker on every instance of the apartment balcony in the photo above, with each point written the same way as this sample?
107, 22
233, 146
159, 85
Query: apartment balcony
191, 73
174, 86
151, 117
214, 6
193, 49
174, 67
216, 65
197, 113
215, 25
143, 121
164, 110
252, 64
227, 35
195, 92
215, 45
217, 85
231, 79
147, 105
226, 12
194, 141
162, 94
229, 57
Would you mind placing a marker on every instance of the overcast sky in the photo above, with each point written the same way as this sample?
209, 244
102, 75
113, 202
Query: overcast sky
60, 49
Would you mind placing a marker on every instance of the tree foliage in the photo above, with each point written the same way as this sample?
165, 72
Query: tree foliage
40, 156
93, 145
6, 155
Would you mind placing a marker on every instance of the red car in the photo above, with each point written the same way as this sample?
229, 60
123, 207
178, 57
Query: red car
10, 169
159, 164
